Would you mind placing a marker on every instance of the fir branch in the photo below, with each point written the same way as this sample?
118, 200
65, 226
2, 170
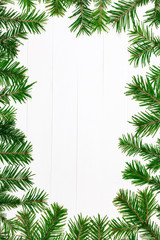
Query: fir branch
52, 222
151, 232
100, 16
129, 204
79, 229
11, 73
123, 12
27, 4
147, 201
16, 178
154, 76
16, 153
8, 201
18, 93
34, 200
121, 229
9, 134
140, 176
4, 2
132, 145
26, 224
153, 15
158, 211
32, 22
57, 7
143, 45
83, 15
154, 164
147, 123
8, 224
143, 91
99, 228
7, 114
10, 40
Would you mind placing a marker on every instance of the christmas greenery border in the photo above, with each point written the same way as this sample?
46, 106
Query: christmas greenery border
137, 209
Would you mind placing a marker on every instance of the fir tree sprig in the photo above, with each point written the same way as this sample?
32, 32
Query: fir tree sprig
18, 93
79, 228
153, 15
16, 153
7, 227
83, 15
32, 21
122, 229
9, 133
100, 16
16, 178
10, 41
4, 2
52, 222
7, 114
143, 91
99, 228
56, 7
154, 76
146, 123
11, 73
26, 224
139, 175
27, 5
34, 200
143, 45
121, 14
50, 226
133, 145
137, 210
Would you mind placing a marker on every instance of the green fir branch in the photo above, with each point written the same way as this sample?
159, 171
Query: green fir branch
4, 2
26, 224
9, 226
143, 45
100, 16
11, 73
147, 123
9, 134
34, 200
7, 114
79, 229
129, 205
32, 22
139, 175
83, 16
142, 90
132, 146
56, 7
122, 13
14, 177
27, 4
15, 92
153, 15
52, 222
8, 201
99, 229
18, 153
154, 76
10, 41
122, 229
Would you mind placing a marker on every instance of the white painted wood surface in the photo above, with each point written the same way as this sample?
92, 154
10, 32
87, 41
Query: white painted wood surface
77, 113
